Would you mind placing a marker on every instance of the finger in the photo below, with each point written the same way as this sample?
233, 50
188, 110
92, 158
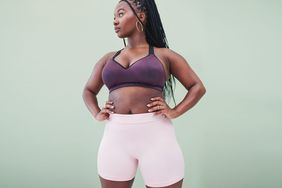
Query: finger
109, 102
157, 98
155, 103
156, 108
109, 106
108, 111
105, 110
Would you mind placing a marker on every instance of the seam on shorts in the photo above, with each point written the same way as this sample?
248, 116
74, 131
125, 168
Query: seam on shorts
115, 178
166, 183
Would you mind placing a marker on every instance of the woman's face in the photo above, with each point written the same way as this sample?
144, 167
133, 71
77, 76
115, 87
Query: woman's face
124, 20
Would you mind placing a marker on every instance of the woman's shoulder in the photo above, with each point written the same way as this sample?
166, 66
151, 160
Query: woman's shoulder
164, 50
163, 53
110, 54
167, 53
103, 60
106, 57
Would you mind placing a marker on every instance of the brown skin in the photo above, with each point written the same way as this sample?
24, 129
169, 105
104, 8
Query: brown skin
134, 99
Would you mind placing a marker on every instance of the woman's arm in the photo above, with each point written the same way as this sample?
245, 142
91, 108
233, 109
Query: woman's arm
94, 84
188, 78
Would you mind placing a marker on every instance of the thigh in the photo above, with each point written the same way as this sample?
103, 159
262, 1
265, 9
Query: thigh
175, 185
116, 184
162, 165
113, 160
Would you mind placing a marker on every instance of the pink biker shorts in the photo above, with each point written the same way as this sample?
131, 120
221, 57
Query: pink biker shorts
141, 140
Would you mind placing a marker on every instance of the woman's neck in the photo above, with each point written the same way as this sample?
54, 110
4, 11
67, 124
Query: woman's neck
137, 41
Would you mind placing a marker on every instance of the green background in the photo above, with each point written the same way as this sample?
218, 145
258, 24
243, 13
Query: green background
231, 138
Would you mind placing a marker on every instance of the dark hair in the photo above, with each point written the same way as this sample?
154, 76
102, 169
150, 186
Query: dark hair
154, 34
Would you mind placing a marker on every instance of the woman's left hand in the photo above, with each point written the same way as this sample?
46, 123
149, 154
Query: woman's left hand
159, 106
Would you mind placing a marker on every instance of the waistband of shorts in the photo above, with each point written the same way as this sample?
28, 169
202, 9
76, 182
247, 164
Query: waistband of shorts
136, 118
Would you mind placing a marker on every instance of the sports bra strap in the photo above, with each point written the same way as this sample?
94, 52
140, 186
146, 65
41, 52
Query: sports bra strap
151, 49
118, 52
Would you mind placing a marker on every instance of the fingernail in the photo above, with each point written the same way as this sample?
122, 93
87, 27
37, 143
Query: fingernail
149, 110
152, 98
148, 104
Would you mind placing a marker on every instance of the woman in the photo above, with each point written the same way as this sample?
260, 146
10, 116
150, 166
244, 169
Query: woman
138, 128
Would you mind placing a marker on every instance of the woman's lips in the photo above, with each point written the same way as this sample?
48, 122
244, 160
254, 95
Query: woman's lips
117, 30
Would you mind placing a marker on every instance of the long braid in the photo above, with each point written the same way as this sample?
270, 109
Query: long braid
155, 34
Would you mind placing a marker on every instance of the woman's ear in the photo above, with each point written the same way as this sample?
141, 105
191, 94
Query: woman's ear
142, 17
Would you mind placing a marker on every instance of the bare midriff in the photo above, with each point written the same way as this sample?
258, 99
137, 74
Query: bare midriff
132, 99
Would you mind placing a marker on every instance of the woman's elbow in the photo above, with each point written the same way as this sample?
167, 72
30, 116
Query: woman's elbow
202, 89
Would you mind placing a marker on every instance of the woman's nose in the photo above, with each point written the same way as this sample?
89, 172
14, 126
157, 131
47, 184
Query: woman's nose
115, 22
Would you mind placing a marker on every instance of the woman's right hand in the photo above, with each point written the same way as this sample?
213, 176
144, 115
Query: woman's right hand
105, 112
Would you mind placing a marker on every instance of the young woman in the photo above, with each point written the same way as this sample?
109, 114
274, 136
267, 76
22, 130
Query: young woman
138, 127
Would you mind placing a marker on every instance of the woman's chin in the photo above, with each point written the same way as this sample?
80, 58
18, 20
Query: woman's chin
120, 36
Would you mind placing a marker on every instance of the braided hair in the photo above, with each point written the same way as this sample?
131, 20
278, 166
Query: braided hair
154, 34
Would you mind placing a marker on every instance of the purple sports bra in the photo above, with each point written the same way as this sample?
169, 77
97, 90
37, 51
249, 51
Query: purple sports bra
148, 71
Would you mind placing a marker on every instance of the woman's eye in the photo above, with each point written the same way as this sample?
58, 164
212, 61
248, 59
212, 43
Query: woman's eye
120, 13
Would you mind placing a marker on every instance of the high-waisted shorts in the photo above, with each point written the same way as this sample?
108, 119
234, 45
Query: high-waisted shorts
141, 140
